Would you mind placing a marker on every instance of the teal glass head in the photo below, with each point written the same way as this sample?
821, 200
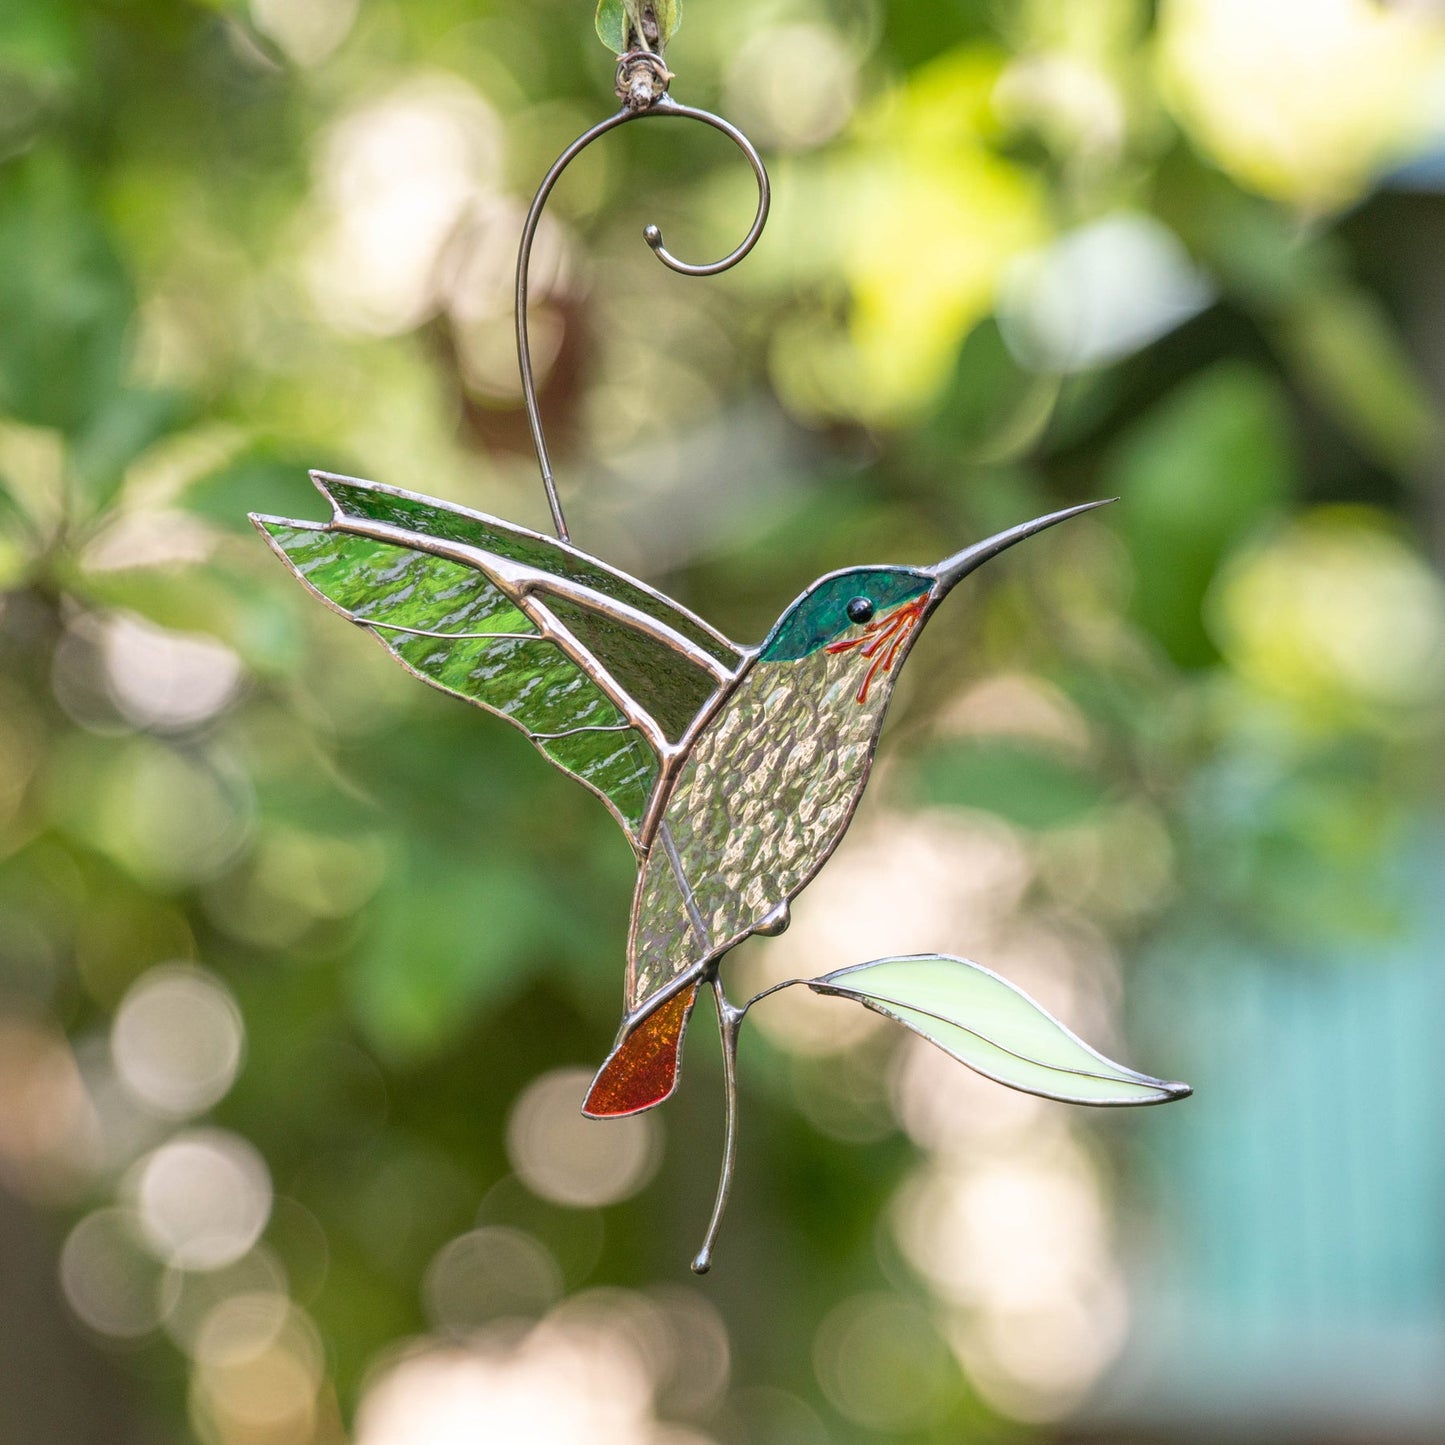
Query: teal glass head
834, 607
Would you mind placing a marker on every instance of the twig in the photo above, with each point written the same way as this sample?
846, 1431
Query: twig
729, 1021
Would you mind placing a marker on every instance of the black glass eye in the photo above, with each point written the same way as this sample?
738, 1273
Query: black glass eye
860, 610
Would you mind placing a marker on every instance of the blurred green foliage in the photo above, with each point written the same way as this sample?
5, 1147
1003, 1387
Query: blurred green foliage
237, 241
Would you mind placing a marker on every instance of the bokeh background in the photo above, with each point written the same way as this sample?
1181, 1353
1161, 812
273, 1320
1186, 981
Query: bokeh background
304, 966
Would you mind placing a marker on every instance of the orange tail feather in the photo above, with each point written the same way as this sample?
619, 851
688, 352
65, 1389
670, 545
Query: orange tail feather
642, 1070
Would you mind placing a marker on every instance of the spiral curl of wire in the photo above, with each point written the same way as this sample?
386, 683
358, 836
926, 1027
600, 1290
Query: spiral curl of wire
661, 106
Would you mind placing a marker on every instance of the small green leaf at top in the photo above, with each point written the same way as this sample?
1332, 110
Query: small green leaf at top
612, 25
623, 25
669, 17
996, 1029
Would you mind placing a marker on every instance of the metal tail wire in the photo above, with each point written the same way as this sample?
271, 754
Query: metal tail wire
729, 1022
663, 106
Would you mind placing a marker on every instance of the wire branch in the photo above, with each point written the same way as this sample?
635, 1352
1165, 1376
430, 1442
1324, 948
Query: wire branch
729, 1021
659, 105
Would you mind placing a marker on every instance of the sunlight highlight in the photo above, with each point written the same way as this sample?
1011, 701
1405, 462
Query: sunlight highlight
554, 1387
1337, 617
395, 180
1018, 1244
568, 1159
177, 1040
203, 1199
1303, 100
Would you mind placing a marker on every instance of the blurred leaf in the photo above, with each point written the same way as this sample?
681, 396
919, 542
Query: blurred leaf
1350, 356
449, 937
928, 174
918, 33
984, 1021
256, 621
1017, 782
1197, 475
14, 562
37, 37
263, 479
124, 428
1332, 332
1308, 850
669, 18
1310, 130
1259, 252
65, 298
993, 410
1336, 620
14, 519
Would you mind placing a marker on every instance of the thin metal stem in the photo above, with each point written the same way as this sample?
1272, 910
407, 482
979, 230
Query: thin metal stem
776, 988
664, 105
729, 1021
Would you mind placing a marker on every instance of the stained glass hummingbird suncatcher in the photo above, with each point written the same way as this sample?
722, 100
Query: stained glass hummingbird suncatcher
734, 771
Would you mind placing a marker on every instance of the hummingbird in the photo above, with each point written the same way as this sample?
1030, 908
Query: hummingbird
734, 771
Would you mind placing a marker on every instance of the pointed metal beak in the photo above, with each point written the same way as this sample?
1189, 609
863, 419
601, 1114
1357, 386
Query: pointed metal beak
952, 570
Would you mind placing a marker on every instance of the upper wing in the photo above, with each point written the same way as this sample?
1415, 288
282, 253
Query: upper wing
602, 672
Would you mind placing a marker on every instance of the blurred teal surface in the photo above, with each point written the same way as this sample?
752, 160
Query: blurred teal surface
1305, 1274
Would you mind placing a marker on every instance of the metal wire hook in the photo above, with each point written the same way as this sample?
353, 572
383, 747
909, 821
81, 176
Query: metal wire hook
664, 106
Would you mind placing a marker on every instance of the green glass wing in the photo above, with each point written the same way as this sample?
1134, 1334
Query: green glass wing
455, 628
994, 1028
675, 689
369, 501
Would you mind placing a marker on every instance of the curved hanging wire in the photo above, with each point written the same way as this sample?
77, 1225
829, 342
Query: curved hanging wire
663, 106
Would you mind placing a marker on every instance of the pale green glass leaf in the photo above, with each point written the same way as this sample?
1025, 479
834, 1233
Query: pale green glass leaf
994, 1028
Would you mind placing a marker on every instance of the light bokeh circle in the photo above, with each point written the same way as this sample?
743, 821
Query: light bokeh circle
569, 1159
